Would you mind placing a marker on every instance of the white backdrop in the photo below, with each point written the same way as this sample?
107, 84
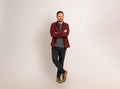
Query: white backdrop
92, 61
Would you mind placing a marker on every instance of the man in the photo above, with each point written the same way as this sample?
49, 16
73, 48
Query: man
59, 31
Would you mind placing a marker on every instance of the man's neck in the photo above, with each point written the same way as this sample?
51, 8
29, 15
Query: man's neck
60, 22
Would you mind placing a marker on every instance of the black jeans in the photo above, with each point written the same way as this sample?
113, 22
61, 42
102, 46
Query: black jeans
58, 52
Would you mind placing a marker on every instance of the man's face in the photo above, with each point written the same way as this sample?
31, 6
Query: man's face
60, 17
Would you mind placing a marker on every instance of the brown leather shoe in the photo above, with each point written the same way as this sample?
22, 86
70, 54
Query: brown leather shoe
58, 79
64, 76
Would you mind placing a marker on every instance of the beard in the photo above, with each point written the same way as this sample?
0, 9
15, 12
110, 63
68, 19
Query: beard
60, 20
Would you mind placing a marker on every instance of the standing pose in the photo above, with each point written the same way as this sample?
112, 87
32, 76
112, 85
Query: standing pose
59, 32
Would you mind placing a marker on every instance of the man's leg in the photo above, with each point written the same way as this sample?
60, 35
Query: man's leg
55, 54
61, 59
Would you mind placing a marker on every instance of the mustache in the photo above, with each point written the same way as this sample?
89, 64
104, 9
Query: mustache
60, 19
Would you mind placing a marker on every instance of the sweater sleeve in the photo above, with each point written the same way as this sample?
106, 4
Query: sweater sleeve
65, 34
53, 33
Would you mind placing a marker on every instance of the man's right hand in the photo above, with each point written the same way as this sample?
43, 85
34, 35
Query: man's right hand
56, 32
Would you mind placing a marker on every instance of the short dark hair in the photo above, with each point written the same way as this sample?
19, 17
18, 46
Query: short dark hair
60, 12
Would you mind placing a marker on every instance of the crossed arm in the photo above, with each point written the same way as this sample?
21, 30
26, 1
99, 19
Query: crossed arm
55, 34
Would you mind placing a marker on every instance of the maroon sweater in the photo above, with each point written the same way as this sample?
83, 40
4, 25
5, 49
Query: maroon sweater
55, 34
